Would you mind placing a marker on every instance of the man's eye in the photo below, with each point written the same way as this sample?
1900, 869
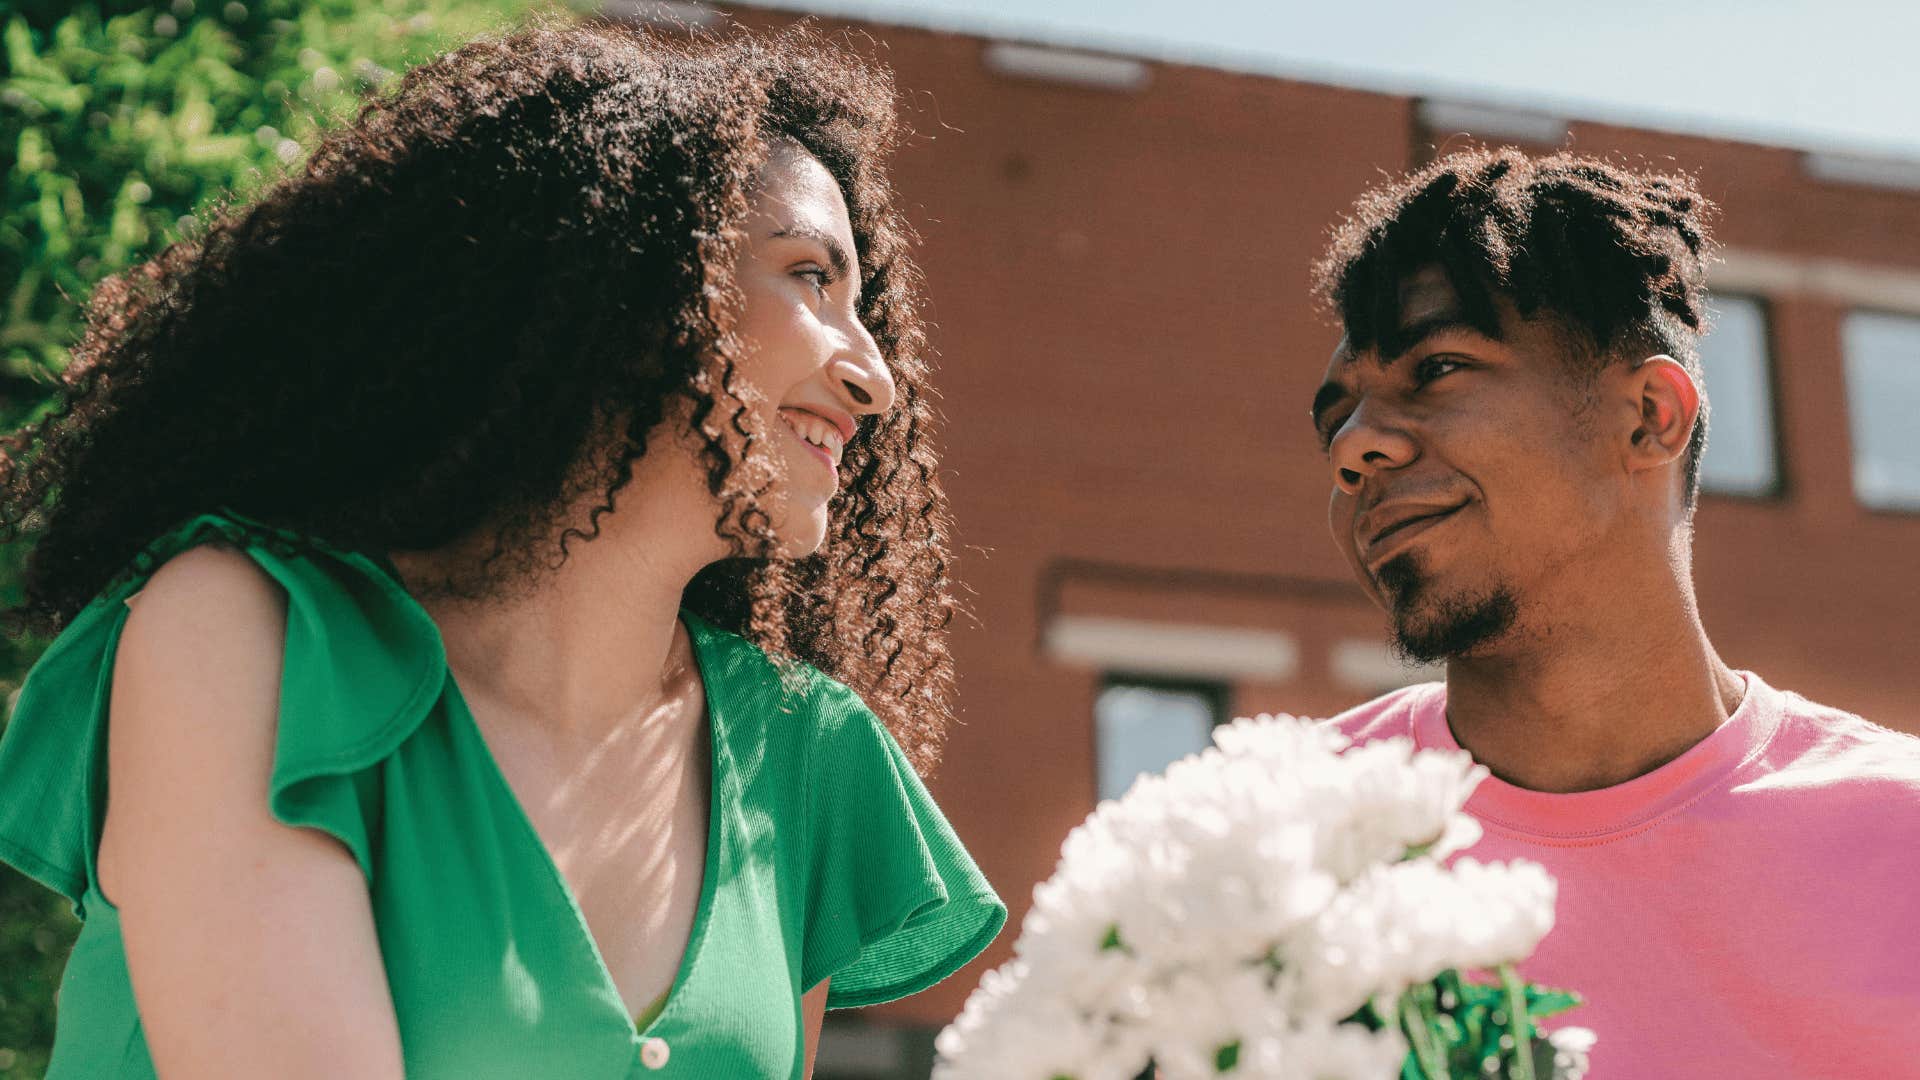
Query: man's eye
1433, 367
1327, 433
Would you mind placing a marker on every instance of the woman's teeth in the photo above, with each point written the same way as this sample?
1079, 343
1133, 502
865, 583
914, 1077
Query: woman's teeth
815, 430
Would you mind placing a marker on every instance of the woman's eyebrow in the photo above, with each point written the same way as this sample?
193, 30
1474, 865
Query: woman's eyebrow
836, 255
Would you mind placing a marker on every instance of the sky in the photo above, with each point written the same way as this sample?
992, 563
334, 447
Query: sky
1837, 76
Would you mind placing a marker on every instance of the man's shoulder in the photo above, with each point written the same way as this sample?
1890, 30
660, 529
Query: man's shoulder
1824, 741
1389, 715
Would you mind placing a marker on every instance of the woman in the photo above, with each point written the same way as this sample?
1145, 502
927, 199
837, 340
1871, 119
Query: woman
501, 589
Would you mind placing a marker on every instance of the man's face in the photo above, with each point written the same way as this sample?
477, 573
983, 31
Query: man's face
1467, 471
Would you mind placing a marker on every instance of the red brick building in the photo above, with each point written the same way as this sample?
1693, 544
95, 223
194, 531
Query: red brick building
1117, 253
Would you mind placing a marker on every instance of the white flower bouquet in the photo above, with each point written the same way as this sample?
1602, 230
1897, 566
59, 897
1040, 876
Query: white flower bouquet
1276, 906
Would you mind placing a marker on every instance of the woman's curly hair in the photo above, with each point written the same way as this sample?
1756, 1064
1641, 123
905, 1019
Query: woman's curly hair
463, 316
1616, 255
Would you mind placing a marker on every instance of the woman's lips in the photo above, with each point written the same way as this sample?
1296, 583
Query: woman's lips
818, 452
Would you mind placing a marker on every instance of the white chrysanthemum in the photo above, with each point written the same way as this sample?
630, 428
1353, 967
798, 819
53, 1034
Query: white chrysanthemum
1252, 896
1279, 739
1345, 1052
1395, 801
1190, 1018
1572, 1051
1011, 1030
1403, 924
1131, 869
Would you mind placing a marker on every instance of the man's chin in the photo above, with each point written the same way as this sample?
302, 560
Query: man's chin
1432, 622
1431, 629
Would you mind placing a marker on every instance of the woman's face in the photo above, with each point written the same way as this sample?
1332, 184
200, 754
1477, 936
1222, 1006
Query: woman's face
811, 371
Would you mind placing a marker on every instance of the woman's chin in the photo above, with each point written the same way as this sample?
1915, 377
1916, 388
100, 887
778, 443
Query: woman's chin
799, 539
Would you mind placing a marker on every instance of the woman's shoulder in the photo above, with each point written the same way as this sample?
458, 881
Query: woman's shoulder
206, 627
746, 680
892, 901
339, 623
792, 730
211, 587
220, 556
215, 602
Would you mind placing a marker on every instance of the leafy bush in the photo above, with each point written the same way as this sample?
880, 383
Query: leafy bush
119, 120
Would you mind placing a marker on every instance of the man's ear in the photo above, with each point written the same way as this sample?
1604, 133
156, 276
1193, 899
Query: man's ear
1668, 406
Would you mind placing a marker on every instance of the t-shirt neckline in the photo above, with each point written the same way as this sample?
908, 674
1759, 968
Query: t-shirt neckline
1591, 817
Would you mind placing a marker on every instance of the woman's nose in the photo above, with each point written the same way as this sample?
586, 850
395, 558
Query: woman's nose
860, 374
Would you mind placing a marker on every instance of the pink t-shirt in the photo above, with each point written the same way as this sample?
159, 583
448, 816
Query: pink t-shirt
1750, 909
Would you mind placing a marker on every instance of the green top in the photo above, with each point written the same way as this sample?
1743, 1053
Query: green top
825, 855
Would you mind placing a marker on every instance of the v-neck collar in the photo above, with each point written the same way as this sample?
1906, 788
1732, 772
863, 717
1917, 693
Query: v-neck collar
719, 789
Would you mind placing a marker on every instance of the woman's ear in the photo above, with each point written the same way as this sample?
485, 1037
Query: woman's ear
1668, 407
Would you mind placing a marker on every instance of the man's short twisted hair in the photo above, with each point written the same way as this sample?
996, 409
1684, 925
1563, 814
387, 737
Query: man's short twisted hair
1616, 256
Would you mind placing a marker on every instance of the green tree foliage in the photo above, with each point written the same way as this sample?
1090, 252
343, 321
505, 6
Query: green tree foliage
119, 121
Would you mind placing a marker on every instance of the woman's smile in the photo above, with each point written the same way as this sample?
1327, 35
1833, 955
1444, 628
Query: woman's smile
824, 438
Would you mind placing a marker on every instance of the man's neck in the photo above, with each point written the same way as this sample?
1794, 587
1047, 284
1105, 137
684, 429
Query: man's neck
1589, 703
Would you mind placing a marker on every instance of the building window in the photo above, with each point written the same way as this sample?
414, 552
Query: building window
1142, 725
1740, 457
1883, 398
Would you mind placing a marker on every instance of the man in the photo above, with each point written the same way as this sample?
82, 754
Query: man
1513, 422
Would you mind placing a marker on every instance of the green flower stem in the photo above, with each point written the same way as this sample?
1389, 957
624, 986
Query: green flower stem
1414, 1021
1520, 1024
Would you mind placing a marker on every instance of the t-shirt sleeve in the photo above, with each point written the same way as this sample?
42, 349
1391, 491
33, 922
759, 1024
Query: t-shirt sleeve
362, 666
895, 903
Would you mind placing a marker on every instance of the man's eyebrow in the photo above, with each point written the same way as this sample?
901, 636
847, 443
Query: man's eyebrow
1418, 331
1414, 333
836, 255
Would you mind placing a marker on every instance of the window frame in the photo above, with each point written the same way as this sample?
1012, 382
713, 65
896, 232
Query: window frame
1906, 510
1780, 487
1217, 695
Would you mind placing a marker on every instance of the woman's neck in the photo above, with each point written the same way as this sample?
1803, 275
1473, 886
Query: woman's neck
589, 645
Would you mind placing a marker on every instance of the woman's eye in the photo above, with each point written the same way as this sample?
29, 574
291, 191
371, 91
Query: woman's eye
818, 277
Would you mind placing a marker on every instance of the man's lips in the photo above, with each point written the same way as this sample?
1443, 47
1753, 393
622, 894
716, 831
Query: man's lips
1387, 528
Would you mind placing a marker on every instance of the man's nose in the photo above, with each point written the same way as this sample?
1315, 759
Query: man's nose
1368, 442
